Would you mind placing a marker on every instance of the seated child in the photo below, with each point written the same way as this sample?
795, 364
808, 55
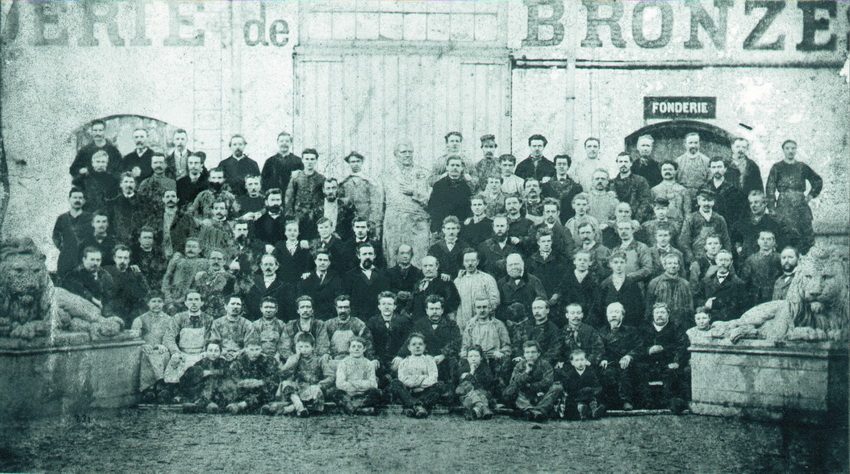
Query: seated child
581, 387
474, 385
154, 327
204, 385
702, 331
531, 388
308, 378
416, 387
356, 380
255, 375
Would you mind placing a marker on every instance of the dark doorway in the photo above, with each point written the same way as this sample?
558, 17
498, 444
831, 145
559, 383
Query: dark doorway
670, 139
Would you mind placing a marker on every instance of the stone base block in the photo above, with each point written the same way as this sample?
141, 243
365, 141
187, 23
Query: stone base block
802, 382
68, 379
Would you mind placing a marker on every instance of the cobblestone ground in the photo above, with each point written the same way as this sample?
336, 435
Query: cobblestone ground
165, 441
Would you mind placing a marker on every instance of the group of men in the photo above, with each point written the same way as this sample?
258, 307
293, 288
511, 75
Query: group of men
500, 258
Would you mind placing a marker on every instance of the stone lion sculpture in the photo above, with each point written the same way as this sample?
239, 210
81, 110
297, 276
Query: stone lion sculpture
30, 306
815, 308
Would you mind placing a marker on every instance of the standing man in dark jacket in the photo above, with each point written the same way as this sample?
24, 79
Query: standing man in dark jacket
82, 162
238, 165
450, 195
644, 165
743, 171
278, 168
536, 165
138, 161
365, 283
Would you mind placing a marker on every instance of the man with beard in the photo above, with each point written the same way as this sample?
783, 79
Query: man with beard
788, 258
100, 238
536, 165
632, 189
744, 233
153, 187
701, 223
623, 346
693, 166
673, 192
645, 166
129, 288
494, 250
562, 187
488, 166
563, 243
366, 282
602, 202
344, 327
518, 226
216, 233
245, 252
537, 328
138, 161
270, 227
176, 162
89, 281
175, 225
472, 283
269, 285
360, 236
238, 165
201, 207
722, 293
404, 275
450, 195
148, 257
98, 185
304, 194
728, 200
195, 181
532, 202
323, 284
128, 211
743, 171
278, 168
360, 191
432, 284
69, 230
338, 211
82, 162
518, 286
214, 283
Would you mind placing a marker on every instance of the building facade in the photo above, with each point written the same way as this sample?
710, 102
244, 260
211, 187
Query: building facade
361, 75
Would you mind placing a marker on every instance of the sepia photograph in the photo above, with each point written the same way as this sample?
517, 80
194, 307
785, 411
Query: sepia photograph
424, 236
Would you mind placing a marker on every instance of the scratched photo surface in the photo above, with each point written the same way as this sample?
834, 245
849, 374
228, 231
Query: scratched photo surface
403, 112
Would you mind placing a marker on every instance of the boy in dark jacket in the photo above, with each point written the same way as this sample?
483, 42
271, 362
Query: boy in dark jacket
531, 389
474, 383
255, 375
204, 384
581, 387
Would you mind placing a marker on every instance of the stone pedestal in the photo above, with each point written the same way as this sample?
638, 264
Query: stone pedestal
68, 375
802, 382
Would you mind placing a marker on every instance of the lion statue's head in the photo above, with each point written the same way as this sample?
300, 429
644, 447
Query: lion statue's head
26, 291
818, 294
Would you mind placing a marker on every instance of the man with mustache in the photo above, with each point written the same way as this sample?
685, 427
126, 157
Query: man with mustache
363, 193
743, 171
304, 193
238, 165
176, 163
744, 233
152, 187
340, 212
366, 282
602, 202
788, 258
269, 228
69, 230
128, 211
148, 257
82, 162
89, 280
676, 195
138, 161
728, 199
644, 165
495, 250
195, 181
129, 288
174, 225
632, 188
488, 166
693, 166
216, 233
201, 207
98, 184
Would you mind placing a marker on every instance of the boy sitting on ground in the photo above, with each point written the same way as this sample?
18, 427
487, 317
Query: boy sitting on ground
474, 385
308, 378
356, 380
204, 384
531, 388
255, 375
417, 387
581, 387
